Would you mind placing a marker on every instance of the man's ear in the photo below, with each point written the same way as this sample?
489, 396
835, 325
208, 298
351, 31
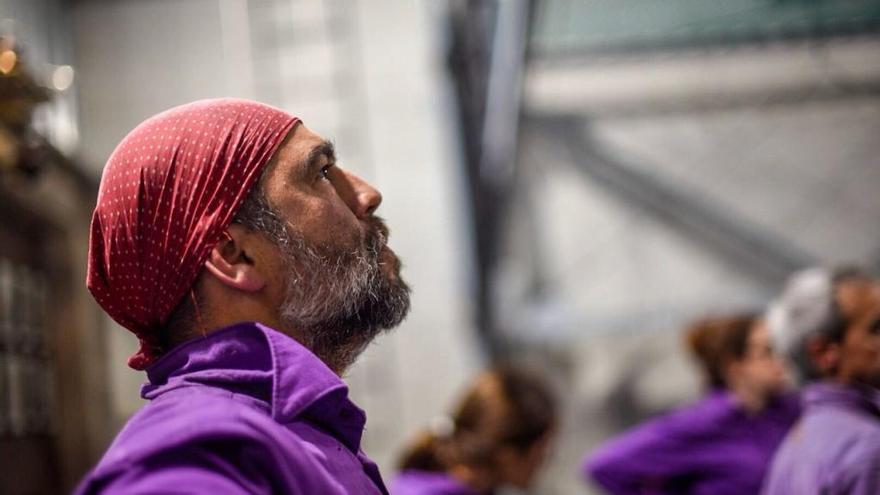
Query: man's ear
230, 264
824, 354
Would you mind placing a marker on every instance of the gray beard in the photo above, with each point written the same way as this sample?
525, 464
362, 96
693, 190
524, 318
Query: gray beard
338, 302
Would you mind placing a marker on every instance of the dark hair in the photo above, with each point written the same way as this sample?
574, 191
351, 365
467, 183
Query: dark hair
715, 341
504, 407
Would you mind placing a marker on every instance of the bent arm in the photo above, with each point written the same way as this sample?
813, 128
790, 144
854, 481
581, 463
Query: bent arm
654, 458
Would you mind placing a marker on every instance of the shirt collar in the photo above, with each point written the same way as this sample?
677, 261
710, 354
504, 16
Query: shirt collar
846, 396
257, 361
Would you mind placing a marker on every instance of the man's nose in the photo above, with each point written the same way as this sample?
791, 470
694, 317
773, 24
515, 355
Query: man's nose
362, 198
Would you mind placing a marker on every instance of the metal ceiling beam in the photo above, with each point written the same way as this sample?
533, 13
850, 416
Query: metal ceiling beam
708, 81
745, 245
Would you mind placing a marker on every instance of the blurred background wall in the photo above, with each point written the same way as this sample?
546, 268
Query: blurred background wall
567, 183
676, 159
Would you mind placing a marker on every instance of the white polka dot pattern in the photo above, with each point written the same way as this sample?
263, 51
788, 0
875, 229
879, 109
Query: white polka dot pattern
169, 190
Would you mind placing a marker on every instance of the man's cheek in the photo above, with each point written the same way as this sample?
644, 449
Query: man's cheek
348, 233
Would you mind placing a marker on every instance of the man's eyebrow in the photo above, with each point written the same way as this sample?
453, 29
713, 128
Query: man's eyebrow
326, 149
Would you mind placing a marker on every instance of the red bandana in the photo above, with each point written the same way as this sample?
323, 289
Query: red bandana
167, 194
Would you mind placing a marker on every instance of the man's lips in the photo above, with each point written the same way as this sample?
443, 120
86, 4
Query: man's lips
387, 257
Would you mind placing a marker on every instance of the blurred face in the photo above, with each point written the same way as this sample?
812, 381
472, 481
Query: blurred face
337, 282
517, 467
859, 352
761, 369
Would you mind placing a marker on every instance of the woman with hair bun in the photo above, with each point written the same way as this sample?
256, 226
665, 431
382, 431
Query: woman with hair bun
723, 443
498, 435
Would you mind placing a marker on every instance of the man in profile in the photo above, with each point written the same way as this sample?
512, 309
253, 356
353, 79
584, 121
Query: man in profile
829, 324
254, 271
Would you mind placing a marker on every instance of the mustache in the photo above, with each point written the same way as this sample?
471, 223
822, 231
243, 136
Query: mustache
377, 232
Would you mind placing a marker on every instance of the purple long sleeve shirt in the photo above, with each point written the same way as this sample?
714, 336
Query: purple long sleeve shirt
712, 447
835, 447
244, 410
416, 482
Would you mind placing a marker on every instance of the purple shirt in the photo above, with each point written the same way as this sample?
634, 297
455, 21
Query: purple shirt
244, 410
834, 449
415, 482
711, 447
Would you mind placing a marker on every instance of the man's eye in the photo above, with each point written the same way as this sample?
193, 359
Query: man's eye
325, 172
875, 327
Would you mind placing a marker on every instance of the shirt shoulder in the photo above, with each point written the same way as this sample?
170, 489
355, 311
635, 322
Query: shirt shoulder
859, 454
849, 429
832, 447
198, 434
193, 413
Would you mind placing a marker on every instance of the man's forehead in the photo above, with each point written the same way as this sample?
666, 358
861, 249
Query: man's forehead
304, 136
859, 297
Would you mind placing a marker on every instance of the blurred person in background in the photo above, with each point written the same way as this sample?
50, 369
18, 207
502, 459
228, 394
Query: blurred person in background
499, 435
720, 445
253, 270
828, 322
